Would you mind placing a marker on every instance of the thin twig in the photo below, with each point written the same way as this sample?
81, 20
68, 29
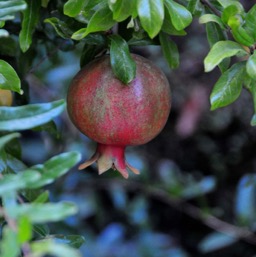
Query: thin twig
209, 220
209, 5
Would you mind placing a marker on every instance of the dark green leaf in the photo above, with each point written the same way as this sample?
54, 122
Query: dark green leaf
60, 27
73, 7
89, 52
251, 66
121, 9
121, 61
101, 21
75, 241
29, 116
42, 247
180, 16
8, 46
14, 182
228, 87
43, 212
151, 14
54, 168
193, 6
170, 50
29, 21
9, 78
41, 229
220, 51
9, 244
7, 138
42, 198
49, 127
11, 7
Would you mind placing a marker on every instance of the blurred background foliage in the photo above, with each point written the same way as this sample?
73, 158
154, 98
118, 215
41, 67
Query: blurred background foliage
196, 195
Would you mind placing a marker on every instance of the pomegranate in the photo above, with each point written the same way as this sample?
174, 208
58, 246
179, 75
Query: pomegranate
116, 115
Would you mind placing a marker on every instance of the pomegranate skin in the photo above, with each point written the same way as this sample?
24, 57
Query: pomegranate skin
114, 114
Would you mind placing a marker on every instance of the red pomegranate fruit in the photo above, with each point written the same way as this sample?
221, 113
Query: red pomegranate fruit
116, 115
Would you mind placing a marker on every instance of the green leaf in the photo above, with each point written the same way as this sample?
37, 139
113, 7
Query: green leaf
72, 8
42, 247
180, 16
61, 28
121, 9
41, 229
211, 18
24, 229
215, 34
168, 27
193, 6
75, 241
101, 21
253, 120
220, 51
228, 87
121, 61
29, 116
7, 138
170, 50
43, 212
242, 37
251, 66
54, 168
89, 52
8, 8
9, 245
151, 14
8, 78
229, 12
42, 198
14, 182
250, 21
29, 21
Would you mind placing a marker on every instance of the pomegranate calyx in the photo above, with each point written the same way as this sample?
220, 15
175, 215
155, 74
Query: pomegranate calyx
110, 156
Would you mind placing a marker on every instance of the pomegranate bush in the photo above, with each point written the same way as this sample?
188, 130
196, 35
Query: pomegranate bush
116, 115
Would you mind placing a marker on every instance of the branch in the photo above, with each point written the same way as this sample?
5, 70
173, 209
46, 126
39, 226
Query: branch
209, 5
209, 220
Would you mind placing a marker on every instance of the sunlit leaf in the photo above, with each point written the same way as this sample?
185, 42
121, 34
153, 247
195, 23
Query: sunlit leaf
220, 51
54, 168
43, 247
43, 212
151, 14
29, 116
14, 182
73, 7
24, 229
180, 16
9, 8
